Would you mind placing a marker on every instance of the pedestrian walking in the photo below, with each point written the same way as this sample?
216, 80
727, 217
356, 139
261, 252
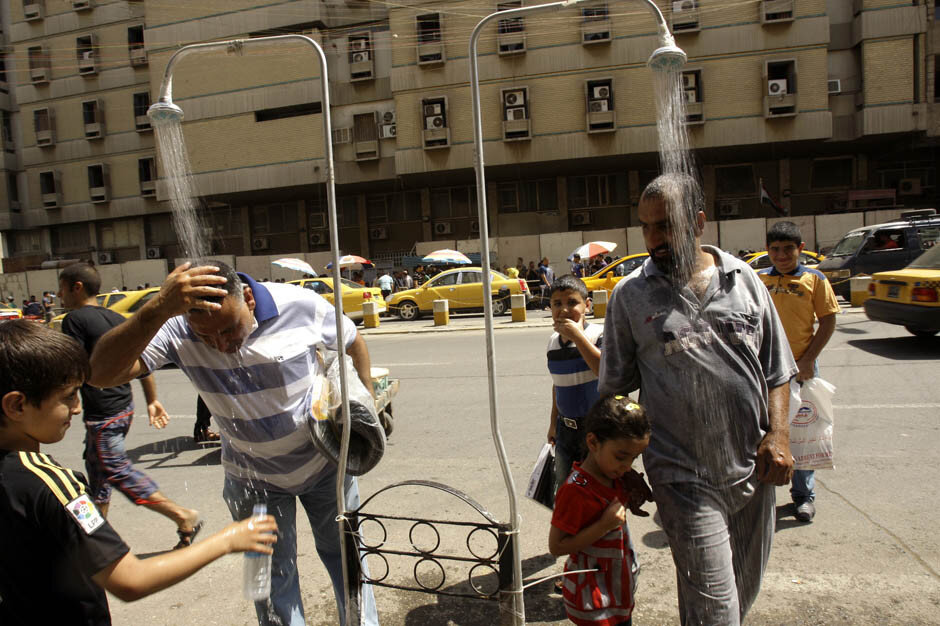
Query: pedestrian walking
546, 278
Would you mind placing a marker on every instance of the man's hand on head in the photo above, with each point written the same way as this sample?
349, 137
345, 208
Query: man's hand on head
186, 286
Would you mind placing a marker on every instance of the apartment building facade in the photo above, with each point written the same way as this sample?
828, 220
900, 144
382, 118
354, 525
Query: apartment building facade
830, 104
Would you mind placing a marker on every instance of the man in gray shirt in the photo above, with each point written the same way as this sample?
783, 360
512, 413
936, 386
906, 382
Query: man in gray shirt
697, 334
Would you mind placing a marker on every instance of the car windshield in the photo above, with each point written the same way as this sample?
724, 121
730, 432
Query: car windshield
349, 283
929, 260
849, 244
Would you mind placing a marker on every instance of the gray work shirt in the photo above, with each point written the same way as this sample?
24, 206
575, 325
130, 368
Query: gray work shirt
703, 368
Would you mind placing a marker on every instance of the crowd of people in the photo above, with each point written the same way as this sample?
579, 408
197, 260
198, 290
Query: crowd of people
712, 347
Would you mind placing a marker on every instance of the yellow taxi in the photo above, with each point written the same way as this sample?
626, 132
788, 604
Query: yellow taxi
354, 294
909, 297
9, 313
124, 302
611, 275
761, 260
462, 288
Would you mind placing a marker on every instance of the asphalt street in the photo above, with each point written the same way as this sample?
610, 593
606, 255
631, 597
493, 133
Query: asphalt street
872, 554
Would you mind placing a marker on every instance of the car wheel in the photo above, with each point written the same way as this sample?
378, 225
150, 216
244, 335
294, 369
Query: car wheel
918, 332
408, 310
499, 306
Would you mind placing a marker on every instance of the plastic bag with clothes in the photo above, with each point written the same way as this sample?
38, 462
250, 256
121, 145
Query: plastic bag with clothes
811, 423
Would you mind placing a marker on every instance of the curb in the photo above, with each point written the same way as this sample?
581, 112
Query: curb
450, 328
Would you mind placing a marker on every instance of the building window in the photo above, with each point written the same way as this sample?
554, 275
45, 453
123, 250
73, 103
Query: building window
595, 24
6, 128
147, 176
436, 131
516, 122
594, 191
936, 76
510, 33
93, 118
13, 191
274, 219
393, 208
135, 45
44, 126
527, 196
361, 65
3, 69
780, 96
692, 96
38, 64
141, 105
453, 202
86, 51
295, 110
735, 180
832, 173
429, 28
601, 116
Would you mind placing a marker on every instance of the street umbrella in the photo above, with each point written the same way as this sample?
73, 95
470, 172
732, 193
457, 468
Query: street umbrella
296, 265
446, 257
592, 249
349, 261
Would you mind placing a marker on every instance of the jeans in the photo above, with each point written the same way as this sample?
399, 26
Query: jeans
319, 502
567, 450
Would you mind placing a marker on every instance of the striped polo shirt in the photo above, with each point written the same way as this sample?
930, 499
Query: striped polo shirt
256, 395
575, 383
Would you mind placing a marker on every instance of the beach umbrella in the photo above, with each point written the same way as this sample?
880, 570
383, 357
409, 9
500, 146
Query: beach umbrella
296, 265
350, 261
446, 257
592, 249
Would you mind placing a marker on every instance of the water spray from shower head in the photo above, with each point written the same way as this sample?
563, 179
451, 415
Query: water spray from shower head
164, 111
667, 58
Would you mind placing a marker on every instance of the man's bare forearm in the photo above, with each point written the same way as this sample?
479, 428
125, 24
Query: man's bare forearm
359, 353
116, 353
149, 387
778, 405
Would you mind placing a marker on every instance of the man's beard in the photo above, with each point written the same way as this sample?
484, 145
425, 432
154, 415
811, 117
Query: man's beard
664, 263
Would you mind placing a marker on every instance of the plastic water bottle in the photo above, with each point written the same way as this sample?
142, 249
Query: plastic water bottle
257, 582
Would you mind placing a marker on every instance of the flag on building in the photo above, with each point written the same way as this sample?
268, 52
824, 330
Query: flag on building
766, 199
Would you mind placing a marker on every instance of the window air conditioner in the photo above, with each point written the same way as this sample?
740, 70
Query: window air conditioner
378, 232
359, 57
581, 218
600, 93
317, 238
514, 98
105, 257
259, 243
388, 131
598, 106
689, 80
682, 5
432, 109
909, 187
516, 113
834, 86
777, 87
689, 96
153, 252
358, 44
729, 208
475, 226
434, 122
443, 228
388, 117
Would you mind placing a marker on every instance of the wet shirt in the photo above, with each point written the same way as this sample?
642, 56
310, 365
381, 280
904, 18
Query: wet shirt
87, 324
53, 541
800, 298
256, 395
703, 368
575, 383
604, 597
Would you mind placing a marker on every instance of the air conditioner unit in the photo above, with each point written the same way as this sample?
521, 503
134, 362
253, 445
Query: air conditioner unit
434, 122
358, 44
32, 11
105, 257
432, 109
378, 232
388, 117
259, 243
148, 188
598, 106
443, 228
359, 57
317, 238
342, 135
514, 98
99, 195
600, 93
154, 252
581, 218
909, 187
834, 86
388, 131
682, 5
689, 96
317, 220
516, 113
81, 5
729, 208
777, 87
689, 80
475, 226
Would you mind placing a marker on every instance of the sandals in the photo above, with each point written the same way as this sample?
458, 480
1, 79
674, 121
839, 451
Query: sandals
188, 536
204, 435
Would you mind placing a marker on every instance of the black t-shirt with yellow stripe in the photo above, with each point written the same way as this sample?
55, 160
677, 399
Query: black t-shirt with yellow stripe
53, 541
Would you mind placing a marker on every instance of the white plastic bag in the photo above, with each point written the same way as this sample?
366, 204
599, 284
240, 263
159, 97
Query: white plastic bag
811, 422
541, 483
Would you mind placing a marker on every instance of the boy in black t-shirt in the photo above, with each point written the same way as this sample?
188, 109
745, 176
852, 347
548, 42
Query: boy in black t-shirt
57, 552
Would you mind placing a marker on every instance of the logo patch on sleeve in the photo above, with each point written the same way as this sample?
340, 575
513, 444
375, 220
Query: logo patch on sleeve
84, 511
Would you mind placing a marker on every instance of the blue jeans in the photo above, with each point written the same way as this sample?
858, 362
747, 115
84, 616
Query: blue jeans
803, 485
567, 450
319, 502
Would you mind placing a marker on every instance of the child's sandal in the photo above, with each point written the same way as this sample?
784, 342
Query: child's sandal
188, 536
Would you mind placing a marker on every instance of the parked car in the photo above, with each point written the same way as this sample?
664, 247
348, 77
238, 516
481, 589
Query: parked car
908, 297
9, 313
462, 288
611, 275
761, 260
880, 248
354, 294
124, 302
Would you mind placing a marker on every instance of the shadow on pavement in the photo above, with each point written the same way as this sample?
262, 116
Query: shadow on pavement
169, 450
542, 603
900, 348
786, 517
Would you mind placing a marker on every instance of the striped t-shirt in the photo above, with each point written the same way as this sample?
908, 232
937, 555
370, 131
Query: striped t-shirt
575, 383
256, 395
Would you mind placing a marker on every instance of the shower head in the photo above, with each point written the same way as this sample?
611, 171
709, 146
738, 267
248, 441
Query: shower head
164, 111
667, 58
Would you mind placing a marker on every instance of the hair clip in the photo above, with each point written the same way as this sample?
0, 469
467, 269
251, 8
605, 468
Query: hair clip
618, 397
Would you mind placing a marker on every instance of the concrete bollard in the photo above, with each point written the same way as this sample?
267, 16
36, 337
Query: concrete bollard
441, 312
517, 301
370, 314
599, 298
859, 289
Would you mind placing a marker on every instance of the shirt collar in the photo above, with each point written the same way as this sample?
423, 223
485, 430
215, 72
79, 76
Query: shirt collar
265, 308
800, 268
